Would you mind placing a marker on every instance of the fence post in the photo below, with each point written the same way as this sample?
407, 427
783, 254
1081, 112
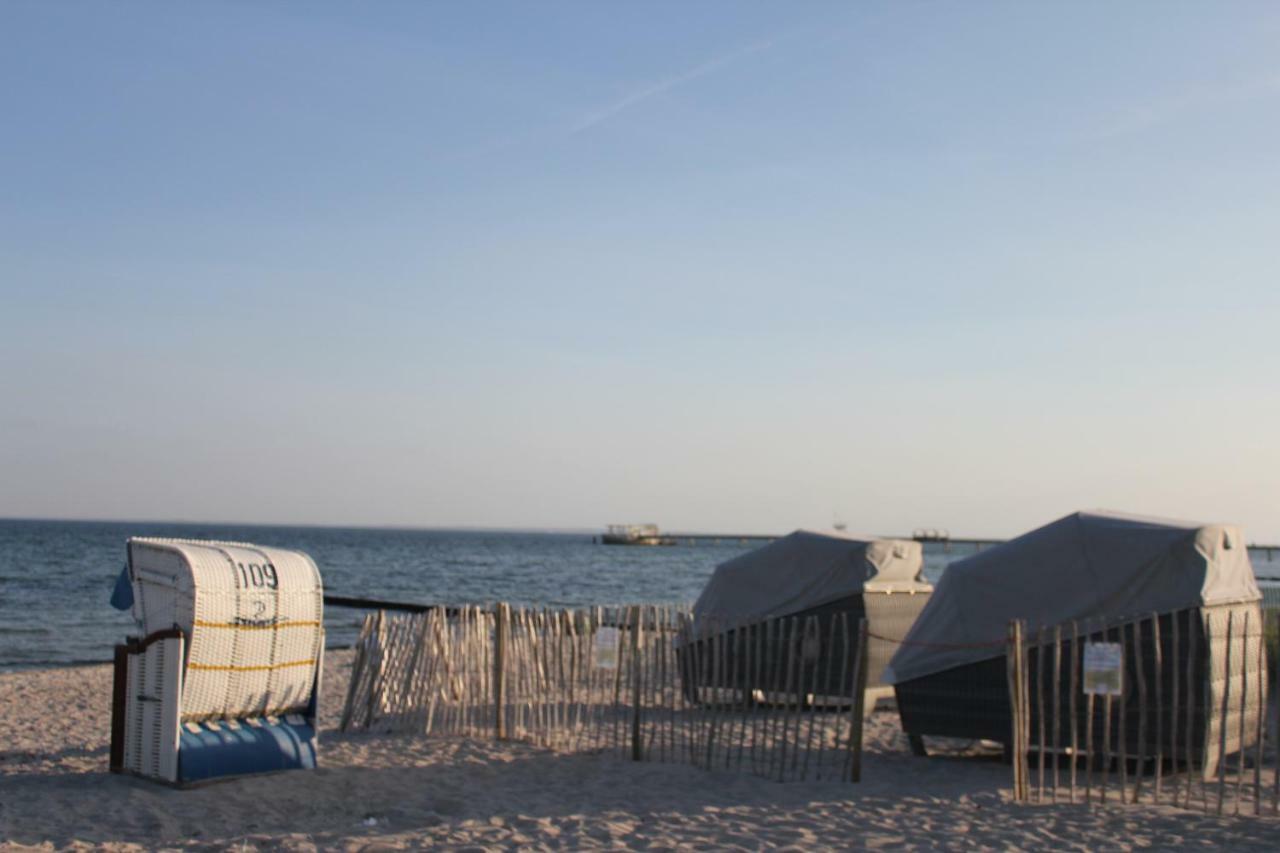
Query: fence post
1017, 710
1190, 747
501, 614
1244, 707
1040, 691
1073, 689
1024, 678
1275, 724
379, 669
1140, 669
357, 672
637, 751
1159, 703
1226, 710
1011, 670
1259, 719
859, 704
1057, 706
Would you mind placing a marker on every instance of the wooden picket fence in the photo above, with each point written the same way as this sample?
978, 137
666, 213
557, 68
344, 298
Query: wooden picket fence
1190, 719
781, 699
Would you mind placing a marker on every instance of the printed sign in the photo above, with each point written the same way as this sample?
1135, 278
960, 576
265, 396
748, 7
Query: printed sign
607, 648
1103, 669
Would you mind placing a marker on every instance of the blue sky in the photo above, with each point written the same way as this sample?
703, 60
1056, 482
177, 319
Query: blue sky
747, 266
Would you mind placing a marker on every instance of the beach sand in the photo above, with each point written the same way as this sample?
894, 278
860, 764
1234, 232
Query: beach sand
387, 792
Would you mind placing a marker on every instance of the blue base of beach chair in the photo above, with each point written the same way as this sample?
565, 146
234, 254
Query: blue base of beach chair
222, 748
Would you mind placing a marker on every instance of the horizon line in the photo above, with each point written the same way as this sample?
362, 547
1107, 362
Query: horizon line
480, 528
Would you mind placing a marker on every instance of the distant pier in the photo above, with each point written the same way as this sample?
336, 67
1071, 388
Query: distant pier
649, 534
715, 538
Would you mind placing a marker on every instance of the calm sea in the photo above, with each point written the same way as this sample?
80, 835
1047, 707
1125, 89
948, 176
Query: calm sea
56, 576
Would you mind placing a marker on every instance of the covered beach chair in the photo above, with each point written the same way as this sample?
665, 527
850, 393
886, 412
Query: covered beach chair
752, 616
225, 677
1098, 573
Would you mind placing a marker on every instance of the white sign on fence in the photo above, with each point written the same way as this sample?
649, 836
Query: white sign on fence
607, 648
1103, 669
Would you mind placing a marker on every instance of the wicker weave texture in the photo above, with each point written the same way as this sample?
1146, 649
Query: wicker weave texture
254, 617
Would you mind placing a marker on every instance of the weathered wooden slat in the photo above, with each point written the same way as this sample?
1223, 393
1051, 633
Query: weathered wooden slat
811, 699
846, 641
793, 651
858, 712
1073, 701
357, 674
1057, 706
1260, 704
1012, 652
1141, 670
1107, 756
1025, 678
1090, 751
1040, 713
1158, 652
1123, 711
1244, 707
1275, 735
1175, 669
777, 639
1189, 746
637, 710
1226, 705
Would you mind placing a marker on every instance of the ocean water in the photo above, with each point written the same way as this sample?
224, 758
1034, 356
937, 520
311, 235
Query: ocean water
56, 577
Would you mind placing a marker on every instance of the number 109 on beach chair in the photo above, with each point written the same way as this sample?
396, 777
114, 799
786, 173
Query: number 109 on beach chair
225, 677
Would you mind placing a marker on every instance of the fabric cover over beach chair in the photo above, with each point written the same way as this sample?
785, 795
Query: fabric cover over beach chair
225, 679
1101, 572
825, 575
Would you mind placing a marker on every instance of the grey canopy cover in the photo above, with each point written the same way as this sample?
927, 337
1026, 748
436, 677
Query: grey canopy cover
1102, 565
804, 570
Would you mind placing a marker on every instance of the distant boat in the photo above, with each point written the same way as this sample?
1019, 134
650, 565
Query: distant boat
633, 534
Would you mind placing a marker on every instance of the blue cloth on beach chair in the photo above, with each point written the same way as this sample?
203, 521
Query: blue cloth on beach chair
218, 749
122, 595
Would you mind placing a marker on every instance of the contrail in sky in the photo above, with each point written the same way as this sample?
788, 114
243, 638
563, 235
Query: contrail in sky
666, 85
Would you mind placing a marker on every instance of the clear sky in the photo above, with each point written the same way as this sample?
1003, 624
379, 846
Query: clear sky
713, 265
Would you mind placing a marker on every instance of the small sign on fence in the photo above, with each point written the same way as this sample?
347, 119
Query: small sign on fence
1103, 669
607, 648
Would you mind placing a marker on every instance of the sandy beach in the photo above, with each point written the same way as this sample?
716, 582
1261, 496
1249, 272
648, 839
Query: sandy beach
385, 792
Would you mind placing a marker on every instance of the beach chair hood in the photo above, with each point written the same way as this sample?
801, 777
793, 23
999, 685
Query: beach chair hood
252, 617
1106, 566
806, 569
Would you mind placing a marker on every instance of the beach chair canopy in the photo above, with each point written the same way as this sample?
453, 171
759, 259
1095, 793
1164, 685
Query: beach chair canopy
1105, 566
804, 570
252, 618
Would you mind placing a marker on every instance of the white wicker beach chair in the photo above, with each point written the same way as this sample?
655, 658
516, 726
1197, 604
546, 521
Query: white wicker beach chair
225, 679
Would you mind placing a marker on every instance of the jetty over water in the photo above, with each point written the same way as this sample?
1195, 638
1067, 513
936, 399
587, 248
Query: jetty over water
649, 534
714, 538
